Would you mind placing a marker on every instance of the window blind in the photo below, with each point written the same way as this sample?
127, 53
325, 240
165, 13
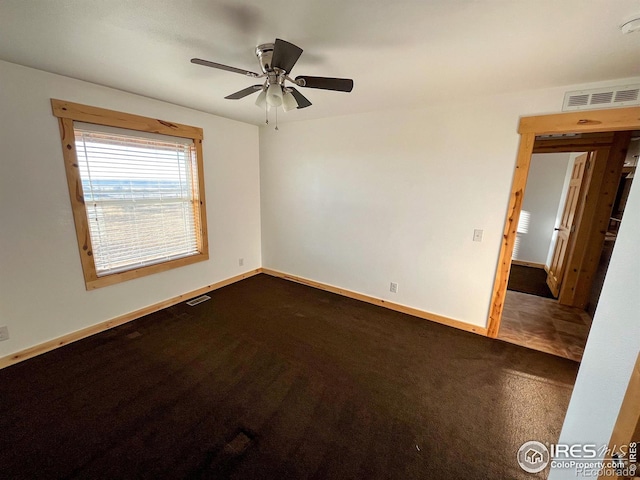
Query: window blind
141, 196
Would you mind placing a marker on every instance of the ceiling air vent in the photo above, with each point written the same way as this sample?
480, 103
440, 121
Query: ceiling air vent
621, 96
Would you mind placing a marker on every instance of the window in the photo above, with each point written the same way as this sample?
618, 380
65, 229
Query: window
136, 190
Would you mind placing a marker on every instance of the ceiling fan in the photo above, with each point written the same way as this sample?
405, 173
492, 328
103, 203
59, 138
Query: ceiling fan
276, 62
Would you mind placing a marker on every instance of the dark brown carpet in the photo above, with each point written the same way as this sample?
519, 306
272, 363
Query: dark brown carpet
274, 380
529, 280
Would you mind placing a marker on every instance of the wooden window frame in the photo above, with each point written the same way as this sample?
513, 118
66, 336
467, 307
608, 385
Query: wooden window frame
67, 113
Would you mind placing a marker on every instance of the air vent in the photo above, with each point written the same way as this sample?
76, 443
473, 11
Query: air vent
198, 300
578, 100
598, 98
621, 96
627, 95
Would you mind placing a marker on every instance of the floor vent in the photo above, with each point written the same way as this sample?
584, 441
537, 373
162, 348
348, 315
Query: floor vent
620, 96
196, 301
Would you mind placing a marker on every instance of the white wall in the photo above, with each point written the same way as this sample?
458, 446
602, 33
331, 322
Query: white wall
42, 293
613, 344
363, 200
540, 206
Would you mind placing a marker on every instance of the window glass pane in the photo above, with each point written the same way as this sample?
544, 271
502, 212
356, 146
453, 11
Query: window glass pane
140, 196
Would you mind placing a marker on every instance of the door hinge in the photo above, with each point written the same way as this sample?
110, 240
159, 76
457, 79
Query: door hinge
573, 228
588, 165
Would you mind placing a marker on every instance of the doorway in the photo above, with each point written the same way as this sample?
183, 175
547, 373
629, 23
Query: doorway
546, 220
532, 315
606, 134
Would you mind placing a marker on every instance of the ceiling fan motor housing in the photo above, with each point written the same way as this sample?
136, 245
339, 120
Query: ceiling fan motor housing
264, 53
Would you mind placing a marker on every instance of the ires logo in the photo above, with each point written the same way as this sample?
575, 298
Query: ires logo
561, 451
589, 451
587, 459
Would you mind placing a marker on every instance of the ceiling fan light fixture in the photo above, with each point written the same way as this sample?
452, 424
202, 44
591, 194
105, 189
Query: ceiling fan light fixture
274, 95
261, 101
289, 102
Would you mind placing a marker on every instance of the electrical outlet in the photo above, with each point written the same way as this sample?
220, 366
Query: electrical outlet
477, 235
4, 333
240, 262
393, 288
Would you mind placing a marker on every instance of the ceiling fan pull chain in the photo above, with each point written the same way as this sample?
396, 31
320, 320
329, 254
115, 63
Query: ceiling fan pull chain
266, 113
276, 119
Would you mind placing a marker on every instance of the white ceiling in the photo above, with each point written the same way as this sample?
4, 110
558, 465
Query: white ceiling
399, 53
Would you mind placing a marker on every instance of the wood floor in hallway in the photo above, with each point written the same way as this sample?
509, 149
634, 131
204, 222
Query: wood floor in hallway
544, 325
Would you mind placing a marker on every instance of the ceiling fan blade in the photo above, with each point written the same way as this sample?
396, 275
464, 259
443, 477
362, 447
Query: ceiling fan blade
326, 83
303, 102
244, 92
285, 55
207, 63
